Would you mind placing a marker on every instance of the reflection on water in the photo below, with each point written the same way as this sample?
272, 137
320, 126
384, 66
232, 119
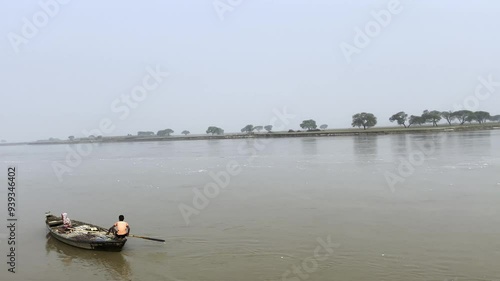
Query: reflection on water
113, 263
309, 146
213, 147
365, 148
427, 143
472, 141
399, 144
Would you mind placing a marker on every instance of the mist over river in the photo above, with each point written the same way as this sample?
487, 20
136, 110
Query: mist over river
390, 207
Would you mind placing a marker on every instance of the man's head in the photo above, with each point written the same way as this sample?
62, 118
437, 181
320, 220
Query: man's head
121, 217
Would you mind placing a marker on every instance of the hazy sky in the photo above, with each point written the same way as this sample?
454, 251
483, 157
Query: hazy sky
263, 55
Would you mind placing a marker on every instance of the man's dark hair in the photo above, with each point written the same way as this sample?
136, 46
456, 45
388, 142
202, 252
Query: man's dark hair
121, 217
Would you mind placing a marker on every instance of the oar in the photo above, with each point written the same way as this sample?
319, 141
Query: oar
147, 238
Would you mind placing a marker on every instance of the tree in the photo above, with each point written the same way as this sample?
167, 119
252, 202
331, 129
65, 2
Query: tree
363, 119
166, 132
495, 118
215, 130
186, 132
435, 117
211, 130
71, 138
462, 115
401, 117
448, 116
482, 116
248, 129
269, 128
470, 117
258, 128
323, 127
415, 120
431, 117
308, 124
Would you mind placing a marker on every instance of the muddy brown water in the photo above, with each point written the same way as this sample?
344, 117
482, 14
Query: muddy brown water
286, 202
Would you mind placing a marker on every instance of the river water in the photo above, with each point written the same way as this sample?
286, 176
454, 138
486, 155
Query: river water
393, 207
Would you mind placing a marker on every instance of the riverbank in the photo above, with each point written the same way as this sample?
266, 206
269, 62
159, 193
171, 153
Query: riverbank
322, 133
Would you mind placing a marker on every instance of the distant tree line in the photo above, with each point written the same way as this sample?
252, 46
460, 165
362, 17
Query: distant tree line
367, 120
434, 117
361, 120
249, 129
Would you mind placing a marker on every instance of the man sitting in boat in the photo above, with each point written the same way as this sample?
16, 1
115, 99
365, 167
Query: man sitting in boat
120, 229
66, 220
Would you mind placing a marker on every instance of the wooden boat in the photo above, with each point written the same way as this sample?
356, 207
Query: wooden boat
83, 235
